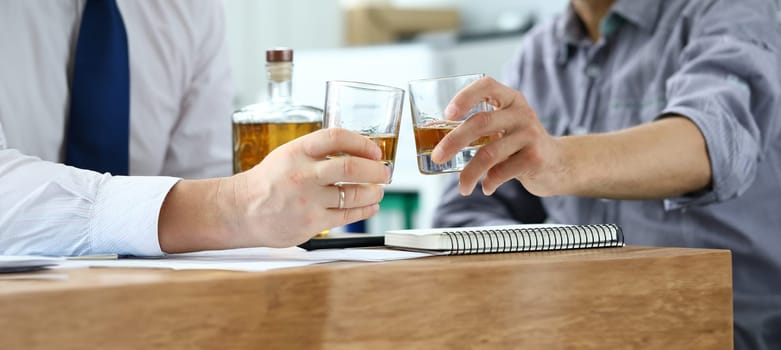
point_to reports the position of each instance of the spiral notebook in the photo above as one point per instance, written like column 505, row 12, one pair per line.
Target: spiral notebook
column 511, row 238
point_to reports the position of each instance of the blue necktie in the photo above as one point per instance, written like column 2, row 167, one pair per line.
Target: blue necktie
column 97, row 137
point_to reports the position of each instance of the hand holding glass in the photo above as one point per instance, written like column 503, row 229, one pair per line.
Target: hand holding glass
column 428, row 100
column 368, row 109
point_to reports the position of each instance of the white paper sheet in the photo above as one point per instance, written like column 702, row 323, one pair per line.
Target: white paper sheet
column 20, row 263
column 295, row 253
column 250, row 259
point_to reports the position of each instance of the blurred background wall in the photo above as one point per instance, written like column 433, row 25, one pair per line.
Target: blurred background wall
column 254, row 25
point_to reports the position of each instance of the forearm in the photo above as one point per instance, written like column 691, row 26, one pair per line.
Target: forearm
column 665, row 158
column 195, row 216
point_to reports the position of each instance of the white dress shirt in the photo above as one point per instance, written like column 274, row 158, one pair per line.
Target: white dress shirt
column 180, row 106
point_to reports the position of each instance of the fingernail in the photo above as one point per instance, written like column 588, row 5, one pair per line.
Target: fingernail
column 377, row 153
column 388, row 172
column 450, row 111
column 463, row 190
column 436, row 155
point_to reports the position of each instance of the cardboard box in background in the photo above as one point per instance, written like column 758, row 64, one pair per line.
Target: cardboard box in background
column 380, row 24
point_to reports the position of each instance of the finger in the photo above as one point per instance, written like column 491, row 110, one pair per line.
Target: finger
column 483, row 90
column 330, row 141
column 339, row 217
column 489, row 156
column 480, row 124
column 501, row 173
column 355, row 196
column 483, row 124
column 351, row 169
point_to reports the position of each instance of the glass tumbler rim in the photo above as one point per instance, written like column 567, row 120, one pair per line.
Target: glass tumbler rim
column 435, row 79
column 364, row 86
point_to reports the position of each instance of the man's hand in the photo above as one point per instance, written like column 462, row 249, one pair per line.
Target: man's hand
column 664, row 158
column 283, row 201
column 521, row 147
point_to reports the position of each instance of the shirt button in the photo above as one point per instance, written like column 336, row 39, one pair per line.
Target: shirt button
column 593, row 71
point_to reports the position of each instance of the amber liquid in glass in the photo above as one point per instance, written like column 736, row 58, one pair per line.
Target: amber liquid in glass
column 428, row 136
column 254, row 141
column 387, row 144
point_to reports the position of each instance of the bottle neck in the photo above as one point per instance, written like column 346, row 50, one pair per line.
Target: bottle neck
column 280, row 84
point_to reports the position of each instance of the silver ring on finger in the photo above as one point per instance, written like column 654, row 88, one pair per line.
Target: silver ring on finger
column 341, row 196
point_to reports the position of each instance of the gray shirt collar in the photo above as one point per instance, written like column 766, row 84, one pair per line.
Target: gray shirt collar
column 569, row 28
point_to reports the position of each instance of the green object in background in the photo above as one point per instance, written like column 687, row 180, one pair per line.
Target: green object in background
column 397, row 212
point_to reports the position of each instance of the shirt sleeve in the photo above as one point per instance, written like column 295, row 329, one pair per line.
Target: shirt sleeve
column 52, row 209
column 727, row 84
column 200, row 144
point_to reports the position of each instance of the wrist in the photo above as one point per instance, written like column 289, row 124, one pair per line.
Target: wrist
column 570, row 175
column 229, row 199
column 189, row 218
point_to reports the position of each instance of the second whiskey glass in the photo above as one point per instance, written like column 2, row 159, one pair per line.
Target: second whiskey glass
column 371, row 110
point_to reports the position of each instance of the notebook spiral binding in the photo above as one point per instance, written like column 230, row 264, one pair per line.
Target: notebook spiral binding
column 535, row 239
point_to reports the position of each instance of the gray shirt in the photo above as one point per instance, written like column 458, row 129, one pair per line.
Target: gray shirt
column 715, row 62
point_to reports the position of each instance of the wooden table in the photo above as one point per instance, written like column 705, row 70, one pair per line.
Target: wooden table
column 628, row 298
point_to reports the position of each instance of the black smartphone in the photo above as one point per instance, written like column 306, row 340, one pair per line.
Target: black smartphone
column 338, row 240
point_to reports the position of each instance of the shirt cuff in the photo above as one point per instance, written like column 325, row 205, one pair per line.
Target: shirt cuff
column 724, row 156
column 690, row 200
column 126, row 213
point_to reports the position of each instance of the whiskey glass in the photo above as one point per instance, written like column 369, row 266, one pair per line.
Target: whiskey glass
column 428, row 100
column 371, row 110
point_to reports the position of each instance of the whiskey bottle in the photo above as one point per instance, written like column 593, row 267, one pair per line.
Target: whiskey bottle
column 260, row 128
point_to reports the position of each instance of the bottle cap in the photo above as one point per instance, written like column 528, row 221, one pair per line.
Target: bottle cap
column 279, row 54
